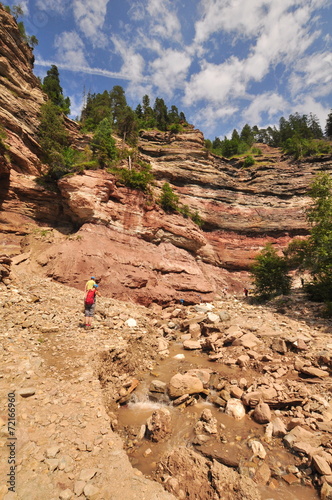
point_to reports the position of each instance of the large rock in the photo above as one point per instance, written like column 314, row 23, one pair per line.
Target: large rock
column 262, row 413
column 184, row 384
column 235, row 409
column 189, row 475
column 159, row 425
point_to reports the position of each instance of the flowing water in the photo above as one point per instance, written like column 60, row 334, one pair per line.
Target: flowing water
column 233, row 434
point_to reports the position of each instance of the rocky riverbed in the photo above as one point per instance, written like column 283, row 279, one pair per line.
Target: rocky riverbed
column 267, row 365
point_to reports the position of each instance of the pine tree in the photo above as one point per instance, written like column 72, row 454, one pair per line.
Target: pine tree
column 118, row 102
column 52, row 87
column 328, row 127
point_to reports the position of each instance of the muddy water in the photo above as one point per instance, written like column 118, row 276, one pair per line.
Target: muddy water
column 233, row 435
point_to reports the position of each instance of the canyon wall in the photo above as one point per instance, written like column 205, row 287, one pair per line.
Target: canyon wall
column 92, row 225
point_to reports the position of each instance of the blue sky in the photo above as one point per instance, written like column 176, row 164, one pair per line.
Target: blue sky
column 223, row 63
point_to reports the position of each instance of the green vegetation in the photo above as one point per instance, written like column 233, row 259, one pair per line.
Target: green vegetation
column 3, row 137
column 51, row 86
column 103, row 144
column 328, row 127
column 237, row 145
column 138, row 177
column 169, row 201
column 270, row 274
column 300, row 136
column 17, row 11
column 318, row 255
column 248, row 161
column 125, row 121
column 53, row 139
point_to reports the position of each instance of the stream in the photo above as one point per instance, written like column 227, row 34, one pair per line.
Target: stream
column 233, row 435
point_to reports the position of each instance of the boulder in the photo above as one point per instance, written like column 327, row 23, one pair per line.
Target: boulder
column 262, row 413
column 235, row 409
column 191, row 345
column 204, row 374
column 159, row 425
column 279, row 428
column 321, row 465
column 184, row 384
column 248, row 340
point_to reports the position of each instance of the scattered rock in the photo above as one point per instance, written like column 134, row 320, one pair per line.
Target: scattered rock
column 262, row 413
column 235, row 409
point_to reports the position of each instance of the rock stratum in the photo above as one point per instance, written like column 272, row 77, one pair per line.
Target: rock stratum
column 92, row 225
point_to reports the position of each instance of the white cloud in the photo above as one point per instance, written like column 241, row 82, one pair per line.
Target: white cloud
column 59, row 6
column 161, row 17
column 169, row 71
column 216, row 83
column 90, row 17
column 269, row 102
column 70, row 49
column 244, row 18
column 313, row 73
column 277, row 32
column 208, row 117
column 133, row 63
column 248, row 19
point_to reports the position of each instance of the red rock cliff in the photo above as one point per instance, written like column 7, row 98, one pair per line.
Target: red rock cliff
column 94, row 226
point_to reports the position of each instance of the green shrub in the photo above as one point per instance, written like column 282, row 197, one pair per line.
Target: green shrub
column 270, row 274
column 248, row 161
column 103, row 144
column 185, row 211
column 300, row 147
column 195, row 217
column 139, row 177
column 3, row 137
column 175, row 128
column 169, row 201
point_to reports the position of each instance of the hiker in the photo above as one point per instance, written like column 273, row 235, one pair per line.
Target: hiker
column 89, row 284
column 246, row 291
column 90, row 305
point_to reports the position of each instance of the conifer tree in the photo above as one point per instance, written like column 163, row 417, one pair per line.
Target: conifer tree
column 52, row 87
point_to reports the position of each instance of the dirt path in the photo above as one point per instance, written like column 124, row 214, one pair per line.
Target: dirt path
column 60, row 429
column 62, row 440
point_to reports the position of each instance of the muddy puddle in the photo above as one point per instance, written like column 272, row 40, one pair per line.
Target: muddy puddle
column 233, row 438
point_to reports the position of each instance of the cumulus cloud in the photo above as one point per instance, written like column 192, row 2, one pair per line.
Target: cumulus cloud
column 275, row 33
column 216, row 83
column 169, row 71
column 59, row 6
column 208, row 117
column 312, row 73
column 90, row 17
column 269, row 103
column 161, row 17
column 133, row 63
column 70, row 49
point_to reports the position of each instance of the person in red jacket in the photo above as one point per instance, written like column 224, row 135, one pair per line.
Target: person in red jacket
column 90, row 305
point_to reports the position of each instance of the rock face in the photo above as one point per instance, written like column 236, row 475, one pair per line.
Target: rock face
column 20, row 97
column 92, row 225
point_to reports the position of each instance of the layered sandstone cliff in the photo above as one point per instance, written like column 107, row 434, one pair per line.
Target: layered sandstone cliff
column 90, row 224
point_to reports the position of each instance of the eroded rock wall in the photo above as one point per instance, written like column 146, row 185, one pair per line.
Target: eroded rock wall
column 139, row 251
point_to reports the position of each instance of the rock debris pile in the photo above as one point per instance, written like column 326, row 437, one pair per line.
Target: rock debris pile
column 271, row 368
